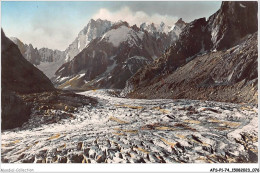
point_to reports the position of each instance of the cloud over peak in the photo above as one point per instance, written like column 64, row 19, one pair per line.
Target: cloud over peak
column 138, row 17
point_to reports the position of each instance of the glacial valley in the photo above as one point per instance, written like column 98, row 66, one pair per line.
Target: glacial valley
column 121, row 130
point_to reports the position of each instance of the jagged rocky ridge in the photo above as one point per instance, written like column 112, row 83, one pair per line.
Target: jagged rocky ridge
column 157, row 31
column 213, row 60
column 30, row 53
column 45, row 59
column 112, row 58
column 94, row 29
column 49, row 61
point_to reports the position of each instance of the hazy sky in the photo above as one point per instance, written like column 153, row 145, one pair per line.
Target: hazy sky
column 56, row 24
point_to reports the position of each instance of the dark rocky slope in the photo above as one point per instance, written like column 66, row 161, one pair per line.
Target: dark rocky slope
column 26, row 91
column 232, row 22
column 14, row 110
column 199, row 66
column 229, row 76
column 18, row 76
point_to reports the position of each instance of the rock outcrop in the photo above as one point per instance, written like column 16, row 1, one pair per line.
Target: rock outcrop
column 232, row 22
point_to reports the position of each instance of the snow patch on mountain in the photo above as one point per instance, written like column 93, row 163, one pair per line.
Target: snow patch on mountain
column 132, row 47
column 122, row 34
column 241, row 5
column 94, row 29
column 138, row 58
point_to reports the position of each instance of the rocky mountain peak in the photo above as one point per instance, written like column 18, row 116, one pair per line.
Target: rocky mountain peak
column 233, row 21
column 95, row 24
column 152, row 27
column 30, row 46
column 180, row 22
column 108, row 61
column 94, row 29
column 119, row 24
column 45, row 59
column 135, row 28
column 143, row 25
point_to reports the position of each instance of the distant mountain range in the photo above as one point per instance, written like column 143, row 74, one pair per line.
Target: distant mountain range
column 47, row 60
column 147, row 58
column 115, row 53
column 139, row 46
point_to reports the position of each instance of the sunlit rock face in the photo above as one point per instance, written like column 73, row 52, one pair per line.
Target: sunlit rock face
column 94, row 29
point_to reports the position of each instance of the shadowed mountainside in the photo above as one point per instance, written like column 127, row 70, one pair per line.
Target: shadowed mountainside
column 18, row 76
column 212, row 60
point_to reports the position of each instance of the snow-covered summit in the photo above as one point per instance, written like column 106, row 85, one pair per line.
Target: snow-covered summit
column 122, row 34
column 93, row 30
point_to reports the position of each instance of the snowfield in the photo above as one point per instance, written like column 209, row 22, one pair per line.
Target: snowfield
column 120, row 130
column 122, row 34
